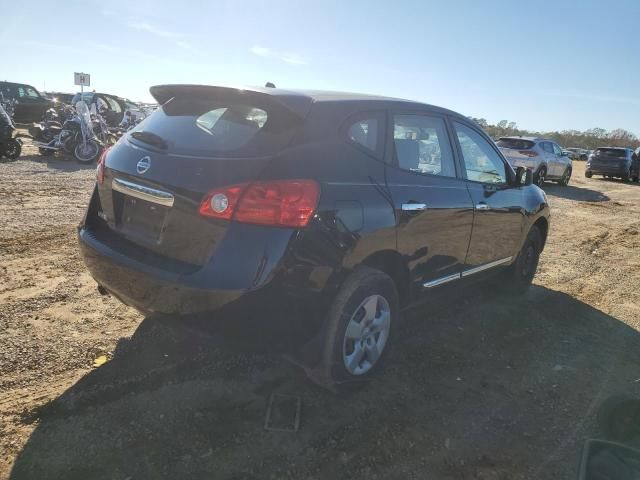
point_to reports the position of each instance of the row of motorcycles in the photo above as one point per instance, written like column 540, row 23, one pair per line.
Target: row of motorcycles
column 79, row 131
column 10, row 144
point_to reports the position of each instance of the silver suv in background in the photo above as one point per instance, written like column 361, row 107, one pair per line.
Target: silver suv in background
column 540, row 155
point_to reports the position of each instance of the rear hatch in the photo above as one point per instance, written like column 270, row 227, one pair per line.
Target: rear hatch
column 608, row 159
column 516, row 149
column 200, row 139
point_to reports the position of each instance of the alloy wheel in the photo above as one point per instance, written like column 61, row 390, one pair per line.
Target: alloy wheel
column 366, row 335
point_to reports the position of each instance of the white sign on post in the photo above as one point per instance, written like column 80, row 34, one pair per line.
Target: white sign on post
column 82, row 79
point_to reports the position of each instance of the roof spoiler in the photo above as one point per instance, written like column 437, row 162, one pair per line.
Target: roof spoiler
column 295, row 103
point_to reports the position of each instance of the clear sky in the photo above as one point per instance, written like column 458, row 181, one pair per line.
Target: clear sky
column 545, row 64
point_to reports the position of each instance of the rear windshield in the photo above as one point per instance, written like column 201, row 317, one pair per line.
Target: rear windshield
column 611, row 152
column 516, row 143
column 199, row 126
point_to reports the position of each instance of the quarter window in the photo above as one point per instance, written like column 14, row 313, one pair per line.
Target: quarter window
column 422, row 145
column 365, row 132
column 481, row 161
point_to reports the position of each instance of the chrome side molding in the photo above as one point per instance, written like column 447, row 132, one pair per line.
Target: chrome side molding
column 441, row 280
column 486, row 266
column 142, row 192
column 466, row 273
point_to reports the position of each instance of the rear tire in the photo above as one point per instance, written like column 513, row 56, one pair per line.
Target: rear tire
column 519, row 275
column 12, row 150
column 588, row 174
column 540, row 177
column 358, row 328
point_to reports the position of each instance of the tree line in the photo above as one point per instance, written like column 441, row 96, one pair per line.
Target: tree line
column 588, row 139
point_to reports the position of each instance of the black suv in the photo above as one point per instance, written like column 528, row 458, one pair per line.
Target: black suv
column 330, row 210
column 31, row 105
column 617, row 162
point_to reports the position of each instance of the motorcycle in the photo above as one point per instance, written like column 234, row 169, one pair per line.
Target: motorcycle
column 76, row 137
column 10, row 146
column 51, row 124
column 107, row 135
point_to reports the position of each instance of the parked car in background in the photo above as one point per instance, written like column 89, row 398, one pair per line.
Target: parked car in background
column 578, row 153
column 111, row 106
column 315, row 213
column 30, row 106
column 614, row 162
column 59, row 97
column 540, row 155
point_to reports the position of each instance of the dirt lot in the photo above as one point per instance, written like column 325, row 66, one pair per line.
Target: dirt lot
column 492, row 387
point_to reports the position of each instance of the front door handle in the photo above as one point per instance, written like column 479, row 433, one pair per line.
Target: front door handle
column 482, row 206
column 413, row 207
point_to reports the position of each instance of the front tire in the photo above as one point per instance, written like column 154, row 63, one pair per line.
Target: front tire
column 359, row 325
column 87, row 152
column 566, row 176
column 588, row 174
column 541, row 176
column 520, row 274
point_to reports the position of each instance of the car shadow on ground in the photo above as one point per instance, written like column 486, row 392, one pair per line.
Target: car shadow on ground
column 487, row 385
column 617, row 180
column 580, row 194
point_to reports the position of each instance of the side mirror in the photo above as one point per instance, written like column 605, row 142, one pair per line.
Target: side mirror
column 524, row 176
column 565, row 154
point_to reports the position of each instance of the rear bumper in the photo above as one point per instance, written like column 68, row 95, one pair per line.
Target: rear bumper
column 146, row 288
column 614, row 170
column 287, row 296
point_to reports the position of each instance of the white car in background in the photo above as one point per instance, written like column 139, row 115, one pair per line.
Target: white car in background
column 542, row 156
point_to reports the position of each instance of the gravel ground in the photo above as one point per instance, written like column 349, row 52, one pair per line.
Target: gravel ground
column 485, row 387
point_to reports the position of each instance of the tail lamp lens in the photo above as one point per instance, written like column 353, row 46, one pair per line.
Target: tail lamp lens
column 286, row 203
column 100, row 167
column 221, row 203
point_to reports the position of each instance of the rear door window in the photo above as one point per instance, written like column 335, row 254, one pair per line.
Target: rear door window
column 422, row 145
column 26, row 92
column 556, row 149
column 546, row 146
column 193, row 126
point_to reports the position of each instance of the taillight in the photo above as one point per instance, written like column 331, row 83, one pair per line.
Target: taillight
column 100, row 167
column 220, row 203
column 529, row 153
column 286, row 203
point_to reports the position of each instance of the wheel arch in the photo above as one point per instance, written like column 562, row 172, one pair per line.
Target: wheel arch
column 543, row 225
column 394, row 265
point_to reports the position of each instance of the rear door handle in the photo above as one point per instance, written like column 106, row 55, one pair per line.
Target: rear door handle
column 413, row 207
column 482, row 206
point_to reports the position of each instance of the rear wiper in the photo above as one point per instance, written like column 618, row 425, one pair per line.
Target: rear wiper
column 151, row 139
